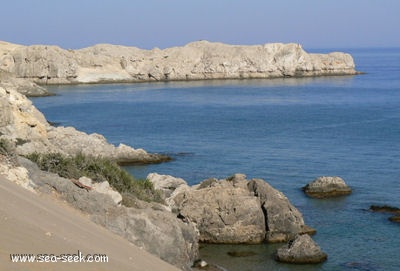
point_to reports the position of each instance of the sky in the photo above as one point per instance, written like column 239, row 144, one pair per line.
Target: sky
column 73, row 24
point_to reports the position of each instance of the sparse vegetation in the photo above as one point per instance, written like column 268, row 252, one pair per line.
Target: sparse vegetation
column 7, row 150
column 99, row 170
column 6, row 147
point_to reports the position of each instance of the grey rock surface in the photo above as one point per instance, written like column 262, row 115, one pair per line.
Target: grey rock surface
column 158, row 232
column 283, row 220
column 224, row 213
column 235, row 210
column 301, row 250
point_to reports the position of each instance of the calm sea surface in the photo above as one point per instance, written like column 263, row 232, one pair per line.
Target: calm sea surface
column 286, row 131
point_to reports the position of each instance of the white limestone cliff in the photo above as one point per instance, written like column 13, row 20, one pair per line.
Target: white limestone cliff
column 106, row 63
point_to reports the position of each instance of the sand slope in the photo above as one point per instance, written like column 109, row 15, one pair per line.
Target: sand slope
column 39, row 224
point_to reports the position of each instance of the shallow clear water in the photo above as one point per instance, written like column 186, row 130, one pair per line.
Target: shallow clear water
column 286, row 131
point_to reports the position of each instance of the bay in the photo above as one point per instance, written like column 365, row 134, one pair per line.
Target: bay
column 286, row 131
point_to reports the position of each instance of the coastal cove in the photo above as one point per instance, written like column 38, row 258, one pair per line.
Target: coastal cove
column 286, row 131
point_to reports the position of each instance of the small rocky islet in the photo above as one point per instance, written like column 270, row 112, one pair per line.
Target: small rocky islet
column 231, row 210
column 327, row 187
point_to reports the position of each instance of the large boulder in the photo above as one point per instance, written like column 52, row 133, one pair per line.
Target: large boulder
column 235, row 210
column 301, row 250
column 225, row 212
column 283, row 220
column 326, row 187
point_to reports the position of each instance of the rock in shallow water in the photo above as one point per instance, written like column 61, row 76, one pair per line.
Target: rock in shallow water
column 301, row 250
column 326, row 187
column 236, row 210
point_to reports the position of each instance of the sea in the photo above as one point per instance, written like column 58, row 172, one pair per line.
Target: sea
column 286, row 131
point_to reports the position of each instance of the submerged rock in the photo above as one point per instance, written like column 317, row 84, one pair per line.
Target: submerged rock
column 326, row 187
column 241, row 253
column 387, row 209
column 301, row 250
column 395, row 218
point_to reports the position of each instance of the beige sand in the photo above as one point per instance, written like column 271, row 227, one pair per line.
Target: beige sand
column 42, row 224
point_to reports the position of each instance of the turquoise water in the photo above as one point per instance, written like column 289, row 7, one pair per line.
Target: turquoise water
column 286, row 131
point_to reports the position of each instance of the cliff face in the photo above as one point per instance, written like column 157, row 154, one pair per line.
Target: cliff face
column 195, row 61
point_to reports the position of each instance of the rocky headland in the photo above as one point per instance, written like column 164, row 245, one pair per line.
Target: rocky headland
column 105, row 63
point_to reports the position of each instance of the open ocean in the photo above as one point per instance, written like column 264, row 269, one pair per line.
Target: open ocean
column 285, row 131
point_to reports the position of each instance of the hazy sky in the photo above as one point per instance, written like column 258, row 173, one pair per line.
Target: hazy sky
column 164, row 23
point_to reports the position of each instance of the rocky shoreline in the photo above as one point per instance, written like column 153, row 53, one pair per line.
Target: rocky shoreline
column 26, row 126
column 231, row 210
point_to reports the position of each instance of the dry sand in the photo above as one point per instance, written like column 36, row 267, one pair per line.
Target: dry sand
column 42, row 224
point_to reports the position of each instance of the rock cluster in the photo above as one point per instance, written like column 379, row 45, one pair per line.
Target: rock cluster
column 301, row 250
column 235, row 210
column 198, row 60
column 325, row 187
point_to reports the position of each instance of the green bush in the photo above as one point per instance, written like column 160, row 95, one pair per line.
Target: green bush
column 99, row 170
